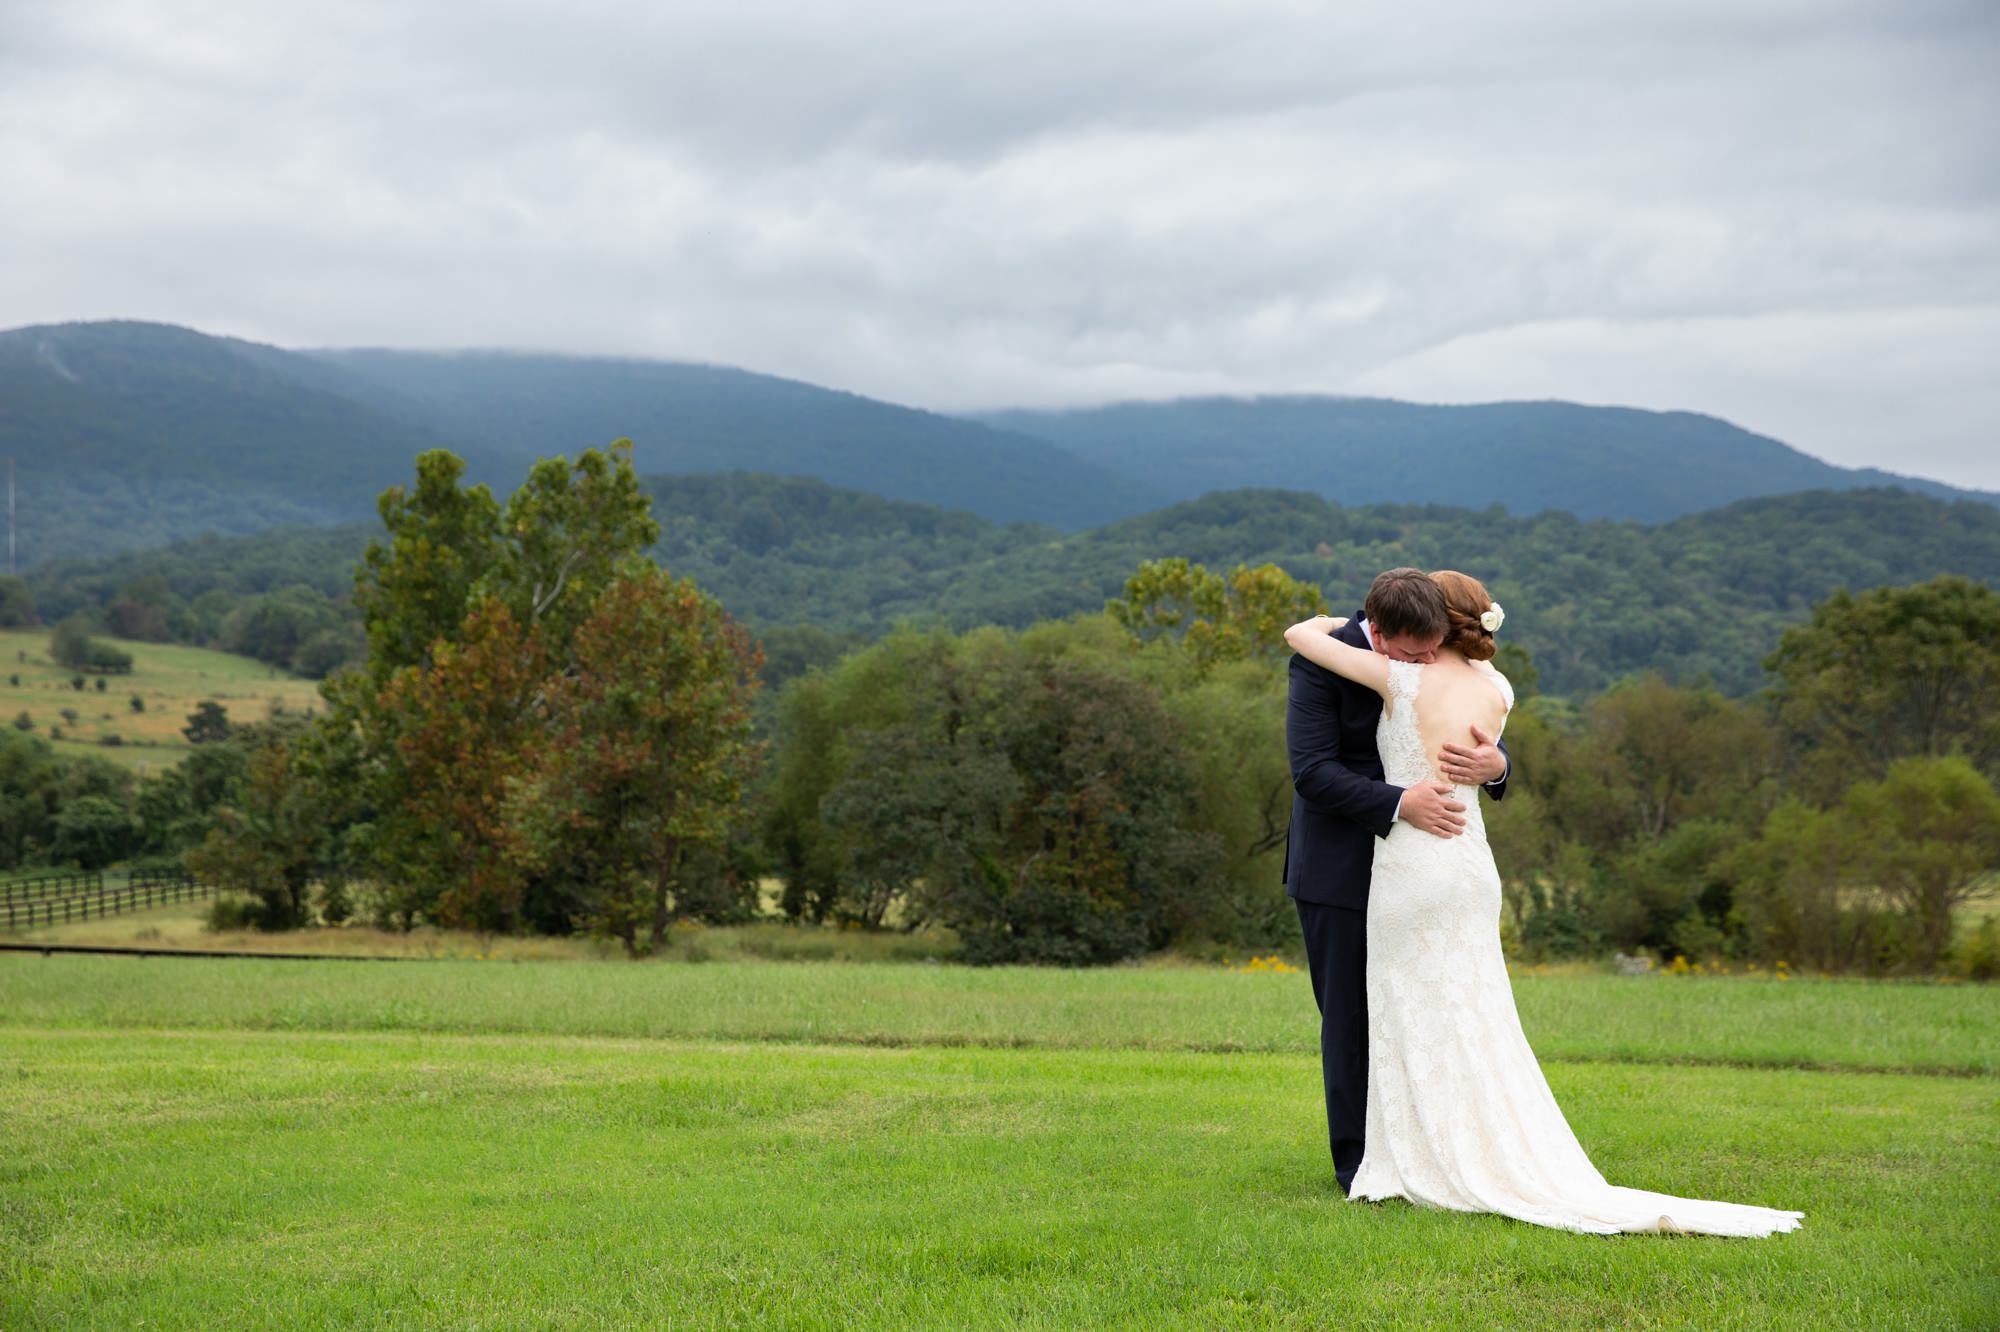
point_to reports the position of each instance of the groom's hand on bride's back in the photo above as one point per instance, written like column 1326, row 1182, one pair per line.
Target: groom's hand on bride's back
column 1431, row 806
column 1478, row 764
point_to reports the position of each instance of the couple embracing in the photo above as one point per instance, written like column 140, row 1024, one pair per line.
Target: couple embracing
column 1393, row 726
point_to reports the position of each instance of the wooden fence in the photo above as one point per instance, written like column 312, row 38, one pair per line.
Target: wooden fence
column 63, row 884
column 92, row 896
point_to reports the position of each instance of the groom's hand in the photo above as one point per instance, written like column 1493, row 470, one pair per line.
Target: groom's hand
column 1432, row 808
column 1475, row 764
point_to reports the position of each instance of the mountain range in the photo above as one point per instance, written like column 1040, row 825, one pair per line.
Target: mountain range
column 128, row 434
column 1594, row 462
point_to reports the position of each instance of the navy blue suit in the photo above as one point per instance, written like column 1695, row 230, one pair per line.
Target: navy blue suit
column 1340, row 805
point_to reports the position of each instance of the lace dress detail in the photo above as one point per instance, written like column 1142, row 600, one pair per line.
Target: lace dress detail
column 1459, row 1115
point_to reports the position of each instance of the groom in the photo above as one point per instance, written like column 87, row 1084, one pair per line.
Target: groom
column 1340, row 806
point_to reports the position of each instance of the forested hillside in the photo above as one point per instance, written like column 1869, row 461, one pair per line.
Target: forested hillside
column 1706, row 595
column 1596, row 462
column 129, row 435
column 704, row 418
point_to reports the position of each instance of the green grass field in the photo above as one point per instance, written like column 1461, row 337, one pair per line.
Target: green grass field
column 170, row 679
column 529, row 1144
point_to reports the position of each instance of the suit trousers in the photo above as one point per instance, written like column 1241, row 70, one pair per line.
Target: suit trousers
column 1337, row 957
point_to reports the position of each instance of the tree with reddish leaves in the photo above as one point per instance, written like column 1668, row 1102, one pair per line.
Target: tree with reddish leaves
column 462, row 730
column 646, row 753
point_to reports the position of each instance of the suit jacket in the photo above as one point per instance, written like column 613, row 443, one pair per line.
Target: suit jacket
column 1340, row 804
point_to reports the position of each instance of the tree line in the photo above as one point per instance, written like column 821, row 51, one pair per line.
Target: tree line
column 548, row 732
column 817, row 571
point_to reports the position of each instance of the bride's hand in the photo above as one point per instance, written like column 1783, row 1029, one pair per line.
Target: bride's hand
column 1330, row 622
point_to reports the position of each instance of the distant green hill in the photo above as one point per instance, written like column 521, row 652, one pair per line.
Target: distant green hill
column 127, row 435
column 1595, row 462
column 700, row 418
column 1704, row 595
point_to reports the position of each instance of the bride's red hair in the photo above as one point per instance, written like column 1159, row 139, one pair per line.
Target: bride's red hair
column 1465, row 600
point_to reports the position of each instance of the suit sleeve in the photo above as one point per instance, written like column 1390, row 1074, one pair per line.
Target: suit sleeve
column 1312, row 741
column 1498, row 789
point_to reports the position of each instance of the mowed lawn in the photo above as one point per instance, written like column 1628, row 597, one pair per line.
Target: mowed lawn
column 461, row 1144
column 169, row 679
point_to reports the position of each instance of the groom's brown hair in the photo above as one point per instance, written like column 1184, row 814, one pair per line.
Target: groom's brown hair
column 1406, row 601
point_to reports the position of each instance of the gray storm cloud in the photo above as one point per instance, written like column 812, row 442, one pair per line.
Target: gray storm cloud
column 1781, row 213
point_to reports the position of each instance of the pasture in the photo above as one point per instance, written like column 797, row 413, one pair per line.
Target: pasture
column 170, row 680
column 502, row 1144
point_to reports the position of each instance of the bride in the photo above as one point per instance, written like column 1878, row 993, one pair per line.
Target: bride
column 1458, row 1113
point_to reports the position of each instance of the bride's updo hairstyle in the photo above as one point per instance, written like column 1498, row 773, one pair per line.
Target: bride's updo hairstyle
column 1465, row 600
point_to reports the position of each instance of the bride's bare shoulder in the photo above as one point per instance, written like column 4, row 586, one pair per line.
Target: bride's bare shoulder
column 1472, row 688
column 1499, row 681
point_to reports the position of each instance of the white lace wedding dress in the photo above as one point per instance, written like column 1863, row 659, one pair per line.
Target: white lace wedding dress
column 1459, row 1115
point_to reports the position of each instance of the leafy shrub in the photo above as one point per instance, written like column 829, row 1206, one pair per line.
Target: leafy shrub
column 1978, row 957
column 336, row 903
column 234, row 913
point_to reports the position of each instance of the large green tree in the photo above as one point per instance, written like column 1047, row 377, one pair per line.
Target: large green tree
column 1892, row 673
column 1031, row 791
column 1215, row 617
column 1926, row 837
column 469, row 612
column 414, row 587
column 271, row 837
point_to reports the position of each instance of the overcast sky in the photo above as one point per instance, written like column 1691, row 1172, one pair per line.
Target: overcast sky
column 1782, row 212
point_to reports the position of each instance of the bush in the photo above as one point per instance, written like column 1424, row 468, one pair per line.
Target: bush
column 233, row 913
column 112, row 739
column 336, row 904
column 1978, row 957
column 71, row 645
column 69, row 642
column 138, row 704
column 100, row 684
column 207, row 724
column 24, row 722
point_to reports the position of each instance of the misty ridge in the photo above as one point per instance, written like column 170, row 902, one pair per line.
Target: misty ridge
column 130, row 434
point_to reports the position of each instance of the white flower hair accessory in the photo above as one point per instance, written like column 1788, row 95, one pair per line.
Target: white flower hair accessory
column 1492, row 618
